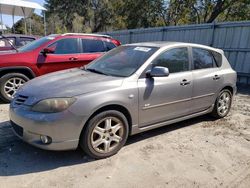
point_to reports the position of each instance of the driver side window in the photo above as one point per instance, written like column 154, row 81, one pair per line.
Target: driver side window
column 176, row 60
column 65, row 46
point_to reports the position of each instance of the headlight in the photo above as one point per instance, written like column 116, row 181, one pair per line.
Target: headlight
column 53, row 105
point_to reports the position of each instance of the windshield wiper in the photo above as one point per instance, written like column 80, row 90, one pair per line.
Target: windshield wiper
column 95, row 71
column 8, row 40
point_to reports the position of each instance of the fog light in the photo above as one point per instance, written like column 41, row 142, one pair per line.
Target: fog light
column 45, row 139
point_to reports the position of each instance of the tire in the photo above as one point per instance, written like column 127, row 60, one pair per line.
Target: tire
column 99, row 139
column 8, row 80
column 222, row 104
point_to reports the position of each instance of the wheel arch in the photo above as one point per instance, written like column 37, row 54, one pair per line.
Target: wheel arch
column 116, row 107
column 23, row 70
column 230, row 88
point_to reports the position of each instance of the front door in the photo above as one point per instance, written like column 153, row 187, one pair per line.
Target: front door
column 166, row 98
column 65, row 56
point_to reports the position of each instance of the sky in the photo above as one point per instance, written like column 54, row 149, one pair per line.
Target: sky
column 7, row 19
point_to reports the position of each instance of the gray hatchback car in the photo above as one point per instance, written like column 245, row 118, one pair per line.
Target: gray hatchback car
column 131, row 89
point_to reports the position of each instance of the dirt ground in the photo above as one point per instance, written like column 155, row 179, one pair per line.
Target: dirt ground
column 201, row 152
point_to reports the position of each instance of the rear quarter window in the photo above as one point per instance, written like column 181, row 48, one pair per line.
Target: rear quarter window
column 109, row 45
column 217, row 58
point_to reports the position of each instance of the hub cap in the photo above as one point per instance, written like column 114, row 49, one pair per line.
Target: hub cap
column 224, row 103
column 107, row 134
column 12, row 85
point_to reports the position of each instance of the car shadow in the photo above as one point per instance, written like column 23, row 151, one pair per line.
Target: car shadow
column 168, row 128
column 2, row 102
column 19, row 158
column 243, row 89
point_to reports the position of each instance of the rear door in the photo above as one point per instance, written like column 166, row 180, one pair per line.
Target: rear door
column 91, row 49
column 207, row 79
column 65, row 56
column 165, row 98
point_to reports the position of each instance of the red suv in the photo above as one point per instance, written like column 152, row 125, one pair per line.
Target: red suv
column 49, row 54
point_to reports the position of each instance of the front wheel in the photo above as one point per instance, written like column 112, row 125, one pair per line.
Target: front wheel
column 10, row 83
column 105, row 134
column 222, row 104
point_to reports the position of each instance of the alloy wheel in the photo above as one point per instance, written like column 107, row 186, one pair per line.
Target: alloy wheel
column 107, row 134
column 224, row 103
column 12, row 85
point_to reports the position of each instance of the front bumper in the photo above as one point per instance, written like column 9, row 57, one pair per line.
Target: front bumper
column 64, row 128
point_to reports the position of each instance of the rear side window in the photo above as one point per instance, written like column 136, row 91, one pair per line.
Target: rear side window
column 24, row 40
column 66, row 46
column 176, row 60
column 202, row 58
column 92, row 46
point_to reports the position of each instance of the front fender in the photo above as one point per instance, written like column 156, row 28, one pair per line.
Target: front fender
column 87, row 104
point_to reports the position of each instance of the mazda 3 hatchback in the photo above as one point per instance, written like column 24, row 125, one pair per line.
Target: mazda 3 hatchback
column 130, row 89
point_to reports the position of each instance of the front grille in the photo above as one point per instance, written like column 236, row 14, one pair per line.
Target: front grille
column 17, row 129
column 20, row 99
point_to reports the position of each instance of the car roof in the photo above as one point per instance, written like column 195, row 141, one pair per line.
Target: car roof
column 82, row 34
column 161, row 44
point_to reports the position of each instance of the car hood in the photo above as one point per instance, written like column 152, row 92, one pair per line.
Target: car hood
column 68, row 83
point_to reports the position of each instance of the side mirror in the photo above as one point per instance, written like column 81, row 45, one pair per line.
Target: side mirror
column 48, row 50
column 158, row 71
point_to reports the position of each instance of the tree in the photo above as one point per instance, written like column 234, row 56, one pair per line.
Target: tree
column 66, row 10
column 210, row 10
column 35, row 22
column 141, row 13
column 104, row 15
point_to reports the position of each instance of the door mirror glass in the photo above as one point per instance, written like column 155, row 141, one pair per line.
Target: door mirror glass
column 158, row 71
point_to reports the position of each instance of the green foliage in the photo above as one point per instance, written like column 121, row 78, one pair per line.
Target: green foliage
column 35, row 22
column 105, row 15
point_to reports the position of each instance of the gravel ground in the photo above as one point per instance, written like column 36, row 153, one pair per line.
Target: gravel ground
column 201, row 152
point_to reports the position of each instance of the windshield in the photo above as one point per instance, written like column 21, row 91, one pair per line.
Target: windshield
column 35, row 44
column 123, row 61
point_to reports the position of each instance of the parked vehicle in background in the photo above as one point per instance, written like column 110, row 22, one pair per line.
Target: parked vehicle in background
column 131, row 89
column 49, row 54
column 16, row 40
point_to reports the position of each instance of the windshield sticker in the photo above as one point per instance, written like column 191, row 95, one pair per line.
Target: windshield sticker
column 142, row 49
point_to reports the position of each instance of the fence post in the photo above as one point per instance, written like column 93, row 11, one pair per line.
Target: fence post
column 213, row 31
column 163, row 33
column 130, row 36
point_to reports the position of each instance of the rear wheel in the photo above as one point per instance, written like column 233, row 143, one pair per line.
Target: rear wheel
column 105, row 134
column 9, row 84
column 223, row 104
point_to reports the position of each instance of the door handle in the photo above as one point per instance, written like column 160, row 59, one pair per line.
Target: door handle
column 73, row 58
column 184, row 82
column 216, row 77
